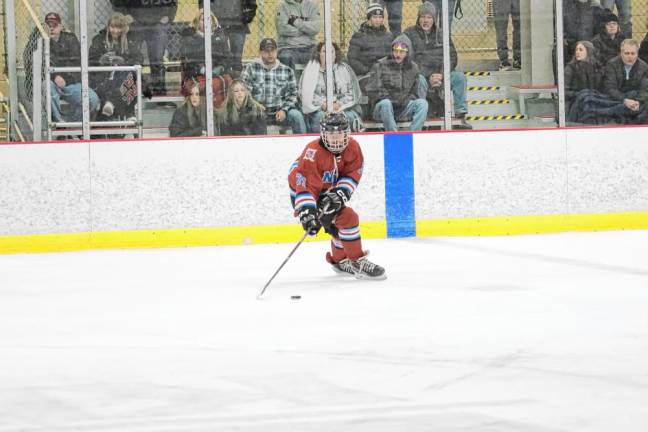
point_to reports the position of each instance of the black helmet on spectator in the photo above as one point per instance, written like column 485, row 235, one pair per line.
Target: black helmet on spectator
column 331, row 126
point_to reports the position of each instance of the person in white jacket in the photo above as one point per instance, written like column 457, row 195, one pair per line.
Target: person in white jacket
column 346, row 90
column 297, row 23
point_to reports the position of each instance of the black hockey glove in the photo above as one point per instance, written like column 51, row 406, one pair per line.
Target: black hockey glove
column 309, row 221
column 333, row 200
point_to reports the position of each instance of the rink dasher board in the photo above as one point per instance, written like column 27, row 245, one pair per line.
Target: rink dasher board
column 219, row 191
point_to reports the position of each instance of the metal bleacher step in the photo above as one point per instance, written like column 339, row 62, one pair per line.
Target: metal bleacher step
column 493, row 78
column 486, row 92
column 485, row 107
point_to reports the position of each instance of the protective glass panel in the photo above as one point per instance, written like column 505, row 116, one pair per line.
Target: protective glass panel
column 604, row 67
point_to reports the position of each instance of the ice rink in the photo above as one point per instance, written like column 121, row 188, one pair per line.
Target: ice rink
column 516, row 334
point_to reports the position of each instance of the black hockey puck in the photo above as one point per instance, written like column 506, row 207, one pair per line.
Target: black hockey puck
column 295, row 297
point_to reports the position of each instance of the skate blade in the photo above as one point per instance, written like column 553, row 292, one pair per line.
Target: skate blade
column 370, row 278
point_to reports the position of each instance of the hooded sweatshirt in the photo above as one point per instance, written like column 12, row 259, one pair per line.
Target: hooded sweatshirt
column 398, row 82
column 302, row 32
column 428, row 46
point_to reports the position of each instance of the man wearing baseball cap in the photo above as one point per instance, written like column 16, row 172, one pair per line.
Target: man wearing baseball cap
column 65, row 51
column 273, row 85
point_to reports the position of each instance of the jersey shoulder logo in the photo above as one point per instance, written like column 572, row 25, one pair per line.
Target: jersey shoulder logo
column 310, row 155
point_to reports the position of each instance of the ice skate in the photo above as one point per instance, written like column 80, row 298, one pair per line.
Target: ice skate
column 365, row 269
column 342, row 267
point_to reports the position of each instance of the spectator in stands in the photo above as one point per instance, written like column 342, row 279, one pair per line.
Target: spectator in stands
column 65, row 51
column 608, row 42
column 346, row 90
column 439, row 8
column 427, row 52
column 370, row 43
column 396, row 88
column 297, row 22
column 192, row 58
column 152, row 21
column 578, row 22
column 189, row 119
column 273, row 85
column 112, row 46
column 624, row 10
column 643, row 49
column 241, row 114
column 394, row 13
column 581, row 73
column 625, row 79
column 234, row 17
column 504, row 9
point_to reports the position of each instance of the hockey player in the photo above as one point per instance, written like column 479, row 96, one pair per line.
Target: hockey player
column 322, row 181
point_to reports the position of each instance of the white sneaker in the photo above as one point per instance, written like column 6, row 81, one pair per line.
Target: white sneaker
column 108, row 109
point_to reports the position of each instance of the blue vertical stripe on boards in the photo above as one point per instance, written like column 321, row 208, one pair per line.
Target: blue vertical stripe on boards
column 399, row 185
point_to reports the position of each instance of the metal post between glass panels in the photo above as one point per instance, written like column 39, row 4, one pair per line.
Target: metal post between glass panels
column 560, row 62
column 209, row 89
column 37, row 90
column 328, row 41
column 11, row 64
column 447, row 96
column 85, row 100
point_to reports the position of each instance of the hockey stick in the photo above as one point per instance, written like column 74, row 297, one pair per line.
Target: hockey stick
column 283, row 264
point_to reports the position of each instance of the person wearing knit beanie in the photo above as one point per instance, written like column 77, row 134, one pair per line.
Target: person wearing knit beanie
column 427, row 8
column 375, row 9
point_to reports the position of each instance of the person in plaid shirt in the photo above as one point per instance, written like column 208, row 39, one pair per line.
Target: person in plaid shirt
column 273, row 85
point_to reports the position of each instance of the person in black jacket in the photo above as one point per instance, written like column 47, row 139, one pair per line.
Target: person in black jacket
column 608, row 42
column 113, row 46
column 370, row 43
column 234, row 17
column 192, row 58
column 189, row 119
column 65, row 50
column 625, row 79
column 152, row 21
column 241, row 114
column 582, row 72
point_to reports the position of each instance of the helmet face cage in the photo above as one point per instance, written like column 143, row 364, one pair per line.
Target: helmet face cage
column 335, row 123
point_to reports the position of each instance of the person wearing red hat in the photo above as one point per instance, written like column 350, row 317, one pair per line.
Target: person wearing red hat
column 65, row 51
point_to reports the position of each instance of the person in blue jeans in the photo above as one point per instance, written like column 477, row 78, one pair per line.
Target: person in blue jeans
column 65, row 50
column 427, row 52
column 397, row 89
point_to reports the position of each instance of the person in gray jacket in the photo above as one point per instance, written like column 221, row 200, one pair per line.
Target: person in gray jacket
column 297, row 22
column 398, row 89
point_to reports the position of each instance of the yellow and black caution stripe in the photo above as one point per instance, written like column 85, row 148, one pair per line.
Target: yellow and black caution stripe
column 495, row 117
column 489, row 102
column 477, row 73
column 483, row 88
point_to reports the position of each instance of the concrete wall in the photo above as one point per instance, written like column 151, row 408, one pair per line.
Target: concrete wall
column 156, row 184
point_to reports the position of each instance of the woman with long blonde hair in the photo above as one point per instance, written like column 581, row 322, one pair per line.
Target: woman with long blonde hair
column 241, row 114
column 112, row 46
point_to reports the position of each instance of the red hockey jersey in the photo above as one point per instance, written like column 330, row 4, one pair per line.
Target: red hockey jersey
column 317, row 170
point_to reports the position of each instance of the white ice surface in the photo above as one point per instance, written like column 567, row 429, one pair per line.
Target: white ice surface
column 519, row 334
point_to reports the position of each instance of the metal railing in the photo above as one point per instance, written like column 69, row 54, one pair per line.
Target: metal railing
column 110, row 127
